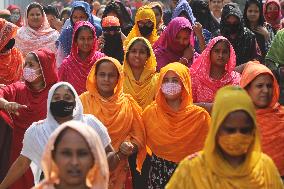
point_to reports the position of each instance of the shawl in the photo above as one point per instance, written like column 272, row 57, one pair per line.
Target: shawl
column 173, row 135
column 143, row 90
column 120, row 114
column 28, row 39
column 13, row 7
column 209, row 170
column 73, row 69
column 65, row 38
column 98, row 175
column 143, row 13
column 270, row 119
column 160, row 26
column 204, row 87
column 183, row 6
column 11, row 62
column 162, row 48
column 276, row 24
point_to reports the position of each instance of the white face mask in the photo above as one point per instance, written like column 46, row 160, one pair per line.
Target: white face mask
column 30, row 74
column 170, row 88
column 15, row 17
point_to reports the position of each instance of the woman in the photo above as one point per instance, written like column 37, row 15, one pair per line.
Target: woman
column 158, row 10
column 272, row 14
column 63, row 104
column 11, row 59
column 118, row 112
column 175, row 44
column 263, row 88
column 65, row 14
column 139, row 69
column 145, row 26
column 91, row 162
column 117, row 9
column 16, row 17
column 25, row 102
column 36, row 32
column 254, row 20
column 232, row 156
column 213, row 69
column 76, row 67
column 80, row 12
column 174, row 126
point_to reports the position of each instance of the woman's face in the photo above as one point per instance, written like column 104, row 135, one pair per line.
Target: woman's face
column 172, row 77
column 112, row 13
column 35, row 18
column 137, row 55
column 106, row 78
column 32, row 63
column 63, row 93
column 85, row 41
column 272, row 7
column 182, row 37
column 261, row 90
column 73, row 159
column 158, row 15
column 216, row 5
column 79, row 15
column 253, row 13
column 220, row 54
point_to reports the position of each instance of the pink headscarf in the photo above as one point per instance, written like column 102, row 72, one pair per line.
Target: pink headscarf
column 73, row 69
column 164, row 48
column 28, row 39
column 204, row 88
column 98, row 175
column 275, row 23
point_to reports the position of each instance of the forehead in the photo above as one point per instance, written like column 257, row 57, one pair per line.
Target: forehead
column 171, row 74
column 232, row 19
column 68, row 138
column 237, row 119
column 221, row 44
column 265, row 77
column 138, row 45
column 62, row 90
column 79, row 12
column 107, row 66
column 144, row 21
column 35, row 10
column 85, row 32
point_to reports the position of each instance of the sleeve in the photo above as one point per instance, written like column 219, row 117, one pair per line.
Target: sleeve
column 60, row 56
column 181, row 177
column 62, row 71
column 100, row 129
column 9, row 92
column 275, row 53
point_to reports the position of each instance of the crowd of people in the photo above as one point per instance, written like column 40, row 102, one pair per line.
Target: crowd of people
column 142, row 95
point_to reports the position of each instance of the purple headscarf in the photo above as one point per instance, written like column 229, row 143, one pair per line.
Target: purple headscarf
column 164, row 48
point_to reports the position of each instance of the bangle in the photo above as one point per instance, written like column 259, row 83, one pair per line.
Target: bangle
column 117, row 156
column 183, row 58
column 4, row 107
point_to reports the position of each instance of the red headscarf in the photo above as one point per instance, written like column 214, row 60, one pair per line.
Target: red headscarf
column 275, row 23
column 13, row 7
column 73, row 69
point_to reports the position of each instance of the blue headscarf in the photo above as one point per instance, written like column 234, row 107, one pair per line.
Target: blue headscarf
column 65, row 38
column 183, row 5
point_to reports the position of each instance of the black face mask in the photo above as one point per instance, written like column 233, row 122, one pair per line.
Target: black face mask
column 146, row 31
column 232, row 28
column 9, row 45
column 62, row 108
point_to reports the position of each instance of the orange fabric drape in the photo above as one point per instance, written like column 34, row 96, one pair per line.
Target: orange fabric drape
column 120, row 114
column 270, row 119
column 173, row 135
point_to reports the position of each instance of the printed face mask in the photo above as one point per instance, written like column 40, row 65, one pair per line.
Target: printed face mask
column 62, row 108
column 30, row 74
column 170, row 88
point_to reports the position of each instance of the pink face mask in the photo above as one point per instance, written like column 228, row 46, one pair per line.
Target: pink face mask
column 170, row 88
column 30, row 74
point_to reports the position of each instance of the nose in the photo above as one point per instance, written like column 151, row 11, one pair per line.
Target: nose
column 265, row 89
column 74, row 160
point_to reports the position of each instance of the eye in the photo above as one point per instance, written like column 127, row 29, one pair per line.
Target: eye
column 247, row 130
column 66, row 153
column 229, row 130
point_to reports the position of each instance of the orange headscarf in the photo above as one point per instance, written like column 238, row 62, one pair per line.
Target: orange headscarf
column 120, row 114
column 174, row 135
column 97, row 176
column 11, row 62
column 270, row 119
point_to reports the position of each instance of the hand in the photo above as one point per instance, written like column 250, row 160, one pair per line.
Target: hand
column 188, row 53
column 13, row 107
column 2, row 85
column 126, row 148
column 262, row 30
column 101, row 42
column 197, row 28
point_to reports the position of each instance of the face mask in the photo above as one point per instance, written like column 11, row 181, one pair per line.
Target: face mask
column 145, row 31
column 62, row 108
column 235, row 144
column 273, row 15
column 170, row 88
column 232, row 28
column 30, row 74
column 10, row 44
column 15, row 17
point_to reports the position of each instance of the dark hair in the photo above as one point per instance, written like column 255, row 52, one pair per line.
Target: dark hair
column 144, row 44
column 77, row 8
column 51, row 10
column 222, row 40
column 34, row 5
column 68, row 88
column 258, row 3
column 84, row 27
column 58, row 140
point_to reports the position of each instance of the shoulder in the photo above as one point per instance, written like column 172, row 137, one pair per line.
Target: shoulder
column 32, row 130
column 248, row 32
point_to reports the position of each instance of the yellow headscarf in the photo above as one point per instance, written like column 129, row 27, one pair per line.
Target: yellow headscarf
column 209, row 170
column 143, row 13
column 173, row 135
column 143, row 90
column 120, row 114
